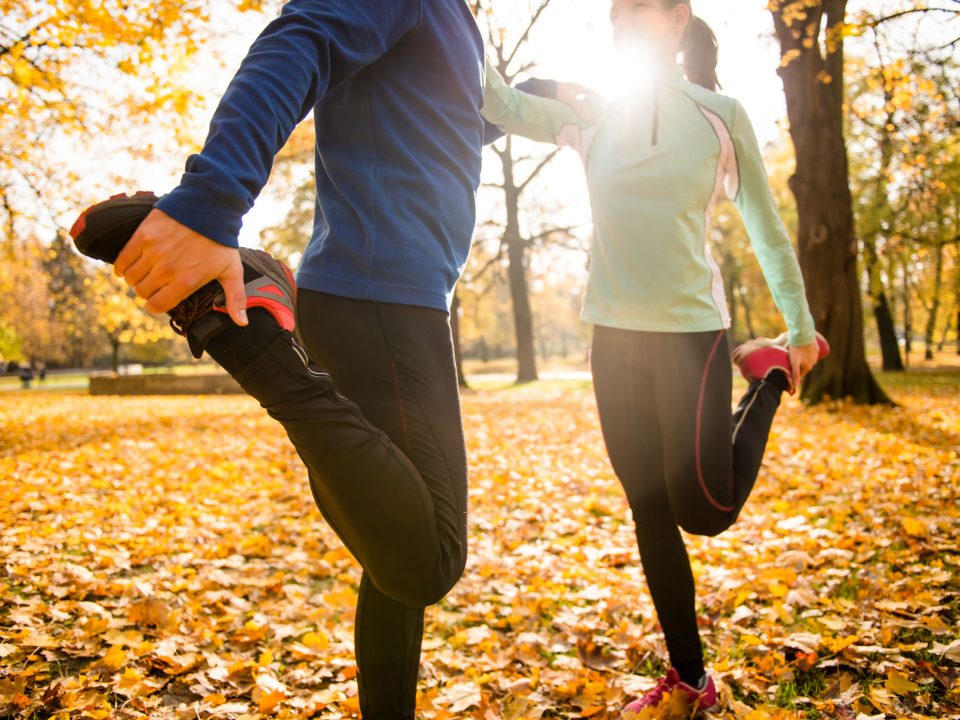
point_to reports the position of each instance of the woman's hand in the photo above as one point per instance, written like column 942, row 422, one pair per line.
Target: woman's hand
column 578, row 97
column 802, row 360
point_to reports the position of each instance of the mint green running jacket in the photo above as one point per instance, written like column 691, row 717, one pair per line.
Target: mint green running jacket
column 656, row 165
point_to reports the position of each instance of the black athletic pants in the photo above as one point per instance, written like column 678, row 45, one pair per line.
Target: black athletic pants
column 684, row 460
column 387, row 466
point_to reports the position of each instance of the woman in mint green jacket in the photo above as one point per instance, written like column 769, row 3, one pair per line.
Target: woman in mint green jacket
column 656, row 164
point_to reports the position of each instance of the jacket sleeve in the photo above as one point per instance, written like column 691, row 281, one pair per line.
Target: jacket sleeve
column 518, row 113
column 533, row 86
column 774, row 250
column 311, row 48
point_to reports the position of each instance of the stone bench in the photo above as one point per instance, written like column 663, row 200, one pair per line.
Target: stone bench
column 167, row 384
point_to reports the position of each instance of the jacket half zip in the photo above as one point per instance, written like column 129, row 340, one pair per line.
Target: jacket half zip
column 655, row 129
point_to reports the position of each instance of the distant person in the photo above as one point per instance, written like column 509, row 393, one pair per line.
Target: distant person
column 656, row 163
column 26, row 376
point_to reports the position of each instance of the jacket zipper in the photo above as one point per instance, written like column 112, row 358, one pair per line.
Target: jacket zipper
column 655, row 131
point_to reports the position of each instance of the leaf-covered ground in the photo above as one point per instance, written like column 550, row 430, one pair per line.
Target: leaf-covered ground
column 162, row 557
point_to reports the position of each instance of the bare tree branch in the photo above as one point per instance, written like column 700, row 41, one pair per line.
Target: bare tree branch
column 526, row 33
column 536, row 171
column 912, row 11
column 495, row 260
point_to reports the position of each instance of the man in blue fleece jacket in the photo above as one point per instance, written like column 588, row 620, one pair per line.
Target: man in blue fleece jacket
column 396, row 88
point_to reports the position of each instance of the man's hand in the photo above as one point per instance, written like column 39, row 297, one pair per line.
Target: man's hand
column 166, row 261
column 578, row 97
column 802, row 360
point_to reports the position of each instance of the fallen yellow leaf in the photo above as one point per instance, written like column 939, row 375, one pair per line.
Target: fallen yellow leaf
column 115, row 658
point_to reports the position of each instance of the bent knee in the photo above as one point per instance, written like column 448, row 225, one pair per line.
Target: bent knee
column 426, row 593
column 707, row 526
column 422, row 589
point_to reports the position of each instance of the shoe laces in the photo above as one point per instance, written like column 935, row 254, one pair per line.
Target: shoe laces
column 194, row 307
column 655, row 696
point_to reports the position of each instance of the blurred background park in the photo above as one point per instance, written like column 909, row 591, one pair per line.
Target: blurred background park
column 108, row 97
column 162, row 557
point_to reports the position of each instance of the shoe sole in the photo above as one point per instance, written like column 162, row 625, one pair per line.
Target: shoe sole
column 102, row 230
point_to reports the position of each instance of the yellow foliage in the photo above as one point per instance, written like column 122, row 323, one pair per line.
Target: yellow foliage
column 129, row 525
column 115, row 658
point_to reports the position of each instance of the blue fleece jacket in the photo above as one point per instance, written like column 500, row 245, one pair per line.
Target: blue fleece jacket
column 396, row 88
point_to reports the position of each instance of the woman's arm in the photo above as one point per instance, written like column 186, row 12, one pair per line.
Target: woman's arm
column 537, row 118
column 771, row 242
column 533, row 86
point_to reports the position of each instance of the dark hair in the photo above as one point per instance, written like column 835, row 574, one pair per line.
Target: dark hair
column 700, row 50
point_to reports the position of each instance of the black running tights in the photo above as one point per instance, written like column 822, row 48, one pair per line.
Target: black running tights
column 684, row 460
column 387, row 466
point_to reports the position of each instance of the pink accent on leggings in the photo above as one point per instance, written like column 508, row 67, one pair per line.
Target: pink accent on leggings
column 703, row 387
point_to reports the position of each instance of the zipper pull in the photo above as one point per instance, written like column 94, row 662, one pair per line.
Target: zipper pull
column 655, row 131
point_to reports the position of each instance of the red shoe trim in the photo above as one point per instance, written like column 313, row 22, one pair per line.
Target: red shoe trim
column 79, row 226
column 703, row 388
column 292, row 280
column 281, row 312
column 272, row 289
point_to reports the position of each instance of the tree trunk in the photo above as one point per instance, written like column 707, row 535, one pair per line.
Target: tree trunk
column 747, row 317
column 522, row 314
column 907, row 315
column 115, row 355
column 517, row 274
column 889, row 347
column 892, row 300
column 935, row 306
column 956, row 292
column 881, row 309
column 882, row 314
column 455, row 333
column 948, row 326
column 813, row 85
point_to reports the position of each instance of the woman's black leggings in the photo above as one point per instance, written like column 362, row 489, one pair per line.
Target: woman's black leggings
column 387, row 466
column 685, row 461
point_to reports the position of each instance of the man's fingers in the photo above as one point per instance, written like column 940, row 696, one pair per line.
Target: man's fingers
column 129, row 255
column 167, row 297
column 151, row 285
column 231, row 280
column 136, row 272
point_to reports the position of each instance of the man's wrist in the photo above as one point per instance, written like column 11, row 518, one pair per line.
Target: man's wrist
column 205, row 212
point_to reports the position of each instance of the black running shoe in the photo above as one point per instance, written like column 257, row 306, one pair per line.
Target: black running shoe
column 102, row 231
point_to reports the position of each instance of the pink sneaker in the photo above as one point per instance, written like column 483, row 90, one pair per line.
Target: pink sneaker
column 757, row 358
column 697, row 700
column 822, row 345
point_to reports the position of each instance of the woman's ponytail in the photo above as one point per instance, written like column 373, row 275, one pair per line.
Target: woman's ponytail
column 700, row 50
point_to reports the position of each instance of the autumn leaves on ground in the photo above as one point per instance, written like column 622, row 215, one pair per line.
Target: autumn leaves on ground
column 163, row 558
